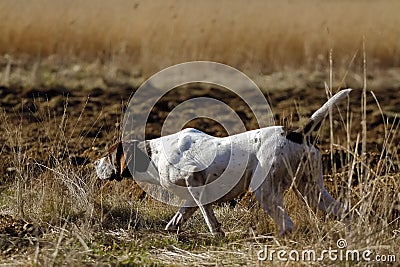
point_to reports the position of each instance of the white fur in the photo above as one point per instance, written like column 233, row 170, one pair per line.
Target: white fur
column 265, row 160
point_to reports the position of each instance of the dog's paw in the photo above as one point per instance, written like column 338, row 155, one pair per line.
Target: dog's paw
column 286, row 232
column 286, row 229
column 218, row 234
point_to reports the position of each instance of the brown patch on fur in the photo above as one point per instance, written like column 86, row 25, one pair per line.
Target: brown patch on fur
column 124, row 170
column 116, row 153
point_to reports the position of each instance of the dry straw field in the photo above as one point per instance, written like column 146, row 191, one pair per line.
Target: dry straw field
column 68, row 68
column 261, row 35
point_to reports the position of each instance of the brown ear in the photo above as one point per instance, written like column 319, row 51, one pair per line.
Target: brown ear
column 122, row 165
column 136, row 159
column 114, row 148
column 121, row 162
column 124, row 170
column 116, row 154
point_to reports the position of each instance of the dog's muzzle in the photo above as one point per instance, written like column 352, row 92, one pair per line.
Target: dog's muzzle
column 105, row 170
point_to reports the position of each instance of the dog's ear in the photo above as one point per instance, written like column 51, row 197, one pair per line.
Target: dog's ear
column 136, row 158
column 117, row 157
column 122, row 160
column 124, row 170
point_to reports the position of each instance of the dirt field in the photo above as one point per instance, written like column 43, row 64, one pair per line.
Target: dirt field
column 51, row 133
column 68, row 70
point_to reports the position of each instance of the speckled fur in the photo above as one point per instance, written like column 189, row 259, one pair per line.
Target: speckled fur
column 268, row 161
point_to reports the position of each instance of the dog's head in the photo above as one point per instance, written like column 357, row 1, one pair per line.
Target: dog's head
column 116, row 164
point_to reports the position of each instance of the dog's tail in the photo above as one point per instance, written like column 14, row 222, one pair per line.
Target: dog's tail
column 320, row 114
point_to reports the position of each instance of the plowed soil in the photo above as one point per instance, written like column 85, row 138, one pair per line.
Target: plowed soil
column 90, row 118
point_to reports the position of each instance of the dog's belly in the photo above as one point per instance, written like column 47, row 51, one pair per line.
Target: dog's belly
column 241, row 187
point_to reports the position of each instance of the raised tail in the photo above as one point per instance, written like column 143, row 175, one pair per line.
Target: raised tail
column 320, row 114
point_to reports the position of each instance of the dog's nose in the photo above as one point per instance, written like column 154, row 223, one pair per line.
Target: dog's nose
column 96, row 163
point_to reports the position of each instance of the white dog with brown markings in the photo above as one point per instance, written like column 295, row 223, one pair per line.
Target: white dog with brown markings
column 203, row 170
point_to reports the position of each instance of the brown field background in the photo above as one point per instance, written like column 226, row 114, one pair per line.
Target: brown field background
column 256, row 36
column 69, row 68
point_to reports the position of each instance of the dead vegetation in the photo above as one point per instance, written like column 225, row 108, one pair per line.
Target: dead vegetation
column 68, row 69
column 261, row 37
column 75, row 219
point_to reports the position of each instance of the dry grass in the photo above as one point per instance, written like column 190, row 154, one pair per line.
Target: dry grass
column 84, row 221
column 261, row 36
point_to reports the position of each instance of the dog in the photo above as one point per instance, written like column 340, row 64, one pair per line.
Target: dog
column 205, row 170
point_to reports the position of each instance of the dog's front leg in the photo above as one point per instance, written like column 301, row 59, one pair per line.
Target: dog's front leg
column 194, row 181
column 213, row 224
column 183, row 214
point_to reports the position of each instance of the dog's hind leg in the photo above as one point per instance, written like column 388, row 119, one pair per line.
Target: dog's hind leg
column 310, row 187
column 320, row 198
column 330, row 205
column 272, row 203
column 316, row 195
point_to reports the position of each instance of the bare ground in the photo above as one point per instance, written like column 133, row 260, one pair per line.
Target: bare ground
column 55, row 124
